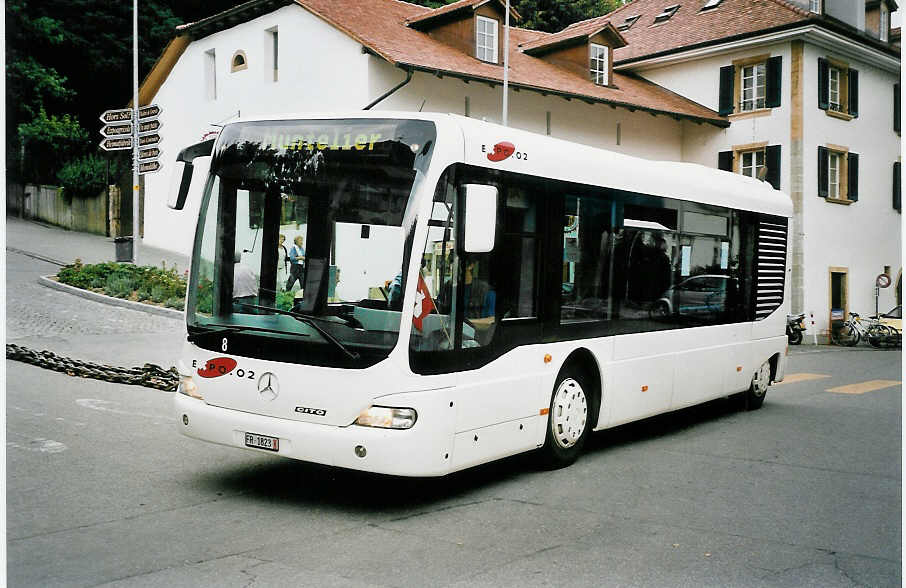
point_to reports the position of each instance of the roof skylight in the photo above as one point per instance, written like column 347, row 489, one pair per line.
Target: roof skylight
column 668, row 12
column 626, row 24
column 711, row 4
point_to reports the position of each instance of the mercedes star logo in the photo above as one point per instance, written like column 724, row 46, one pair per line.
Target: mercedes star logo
column 268, row 388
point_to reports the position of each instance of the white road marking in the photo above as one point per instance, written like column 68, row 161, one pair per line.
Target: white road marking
column 109, row 406
column 40, row 445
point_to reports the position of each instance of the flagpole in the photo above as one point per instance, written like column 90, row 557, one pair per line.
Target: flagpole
column 506, row 61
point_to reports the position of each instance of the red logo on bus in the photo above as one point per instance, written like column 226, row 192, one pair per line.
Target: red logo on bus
column 219, row 366
column 502, row 150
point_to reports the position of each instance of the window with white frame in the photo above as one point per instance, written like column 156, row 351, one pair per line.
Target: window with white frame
column 814, row 6
column 486, row 39
column 599, row 64
column 751, row 163
column 753, row 86
column 834, row 161
column 833, row 89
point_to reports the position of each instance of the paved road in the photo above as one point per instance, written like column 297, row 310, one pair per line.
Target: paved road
column 102, row 491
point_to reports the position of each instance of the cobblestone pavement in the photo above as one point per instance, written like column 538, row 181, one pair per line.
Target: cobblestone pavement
column 33, row 310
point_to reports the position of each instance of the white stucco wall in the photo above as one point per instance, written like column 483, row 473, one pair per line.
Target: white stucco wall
column 322, row 69
column 864, row 236
column 641, row 134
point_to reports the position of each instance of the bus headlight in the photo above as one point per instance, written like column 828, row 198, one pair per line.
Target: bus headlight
column 188, row 387
column 385, row 417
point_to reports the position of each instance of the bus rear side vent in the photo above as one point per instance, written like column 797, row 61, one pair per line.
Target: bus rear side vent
column 770, row 264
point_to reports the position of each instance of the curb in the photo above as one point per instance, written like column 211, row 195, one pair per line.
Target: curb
column 104, row 299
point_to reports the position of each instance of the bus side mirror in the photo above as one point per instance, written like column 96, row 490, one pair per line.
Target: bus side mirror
column 181, row 180
column 480, row 218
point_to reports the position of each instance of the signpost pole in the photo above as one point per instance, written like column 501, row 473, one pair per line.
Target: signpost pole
column 506, row 63
column 135, row 204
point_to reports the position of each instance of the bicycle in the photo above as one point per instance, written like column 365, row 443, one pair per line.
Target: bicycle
column 857, row 328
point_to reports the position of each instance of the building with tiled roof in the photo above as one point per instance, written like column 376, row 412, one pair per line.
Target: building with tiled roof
column 793, row 90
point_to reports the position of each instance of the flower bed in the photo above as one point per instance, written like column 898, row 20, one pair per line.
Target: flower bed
column 160, row 286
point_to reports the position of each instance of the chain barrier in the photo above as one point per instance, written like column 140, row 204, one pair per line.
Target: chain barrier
column 149, row 375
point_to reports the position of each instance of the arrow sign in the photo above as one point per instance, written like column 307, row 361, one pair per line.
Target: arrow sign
column 117, row 130
column 149, row 126
column 148, row 140
column 149, row 153
column 150, row 111
column 116, row 144
column 149, row 167
column 118, row 115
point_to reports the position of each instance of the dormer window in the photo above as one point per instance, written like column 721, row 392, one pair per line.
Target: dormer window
column 486, row 39
column 665, row 16
column 711, row 4
column 599, row 63
column 627, row 24
column 814, row 6
column 884, row 28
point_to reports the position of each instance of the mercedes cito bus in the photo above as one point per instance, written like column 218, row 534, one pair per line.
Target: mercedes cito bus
column 414, row 294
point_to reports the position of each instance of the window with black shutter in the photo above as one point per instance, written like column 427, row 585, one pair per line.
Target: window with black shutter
column 750, row 84
column 774, row 67
column 725, row 161
column 725, row 101
column 853, row 94
column 822, row 171
column 897, row 203
column 852, row 176
column 838, row 175
column 838, row 89
column 772, row 162
column 896, row 107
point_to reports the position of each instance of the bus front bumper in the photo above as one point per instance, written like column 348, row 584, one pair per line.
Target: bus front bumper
column 422, row 450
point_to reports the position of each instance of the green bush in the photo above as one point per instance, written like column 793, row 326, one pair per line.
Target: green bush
column 174, row 302
column 158, row 294
column 158, row 284
column 285, row 300
column 118, row 285
column 84, row 177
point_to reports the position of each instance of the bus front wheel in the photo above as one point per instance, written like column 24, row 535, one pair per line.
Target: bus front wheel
column 759, row 387
column 568, row 420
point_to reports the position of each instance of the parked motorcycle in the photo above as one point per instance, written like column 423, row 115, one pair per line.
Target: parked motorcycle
column 795, row 326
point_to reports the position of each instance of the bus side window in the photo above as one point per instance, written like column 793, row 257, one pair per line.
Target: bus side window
column 584, row 291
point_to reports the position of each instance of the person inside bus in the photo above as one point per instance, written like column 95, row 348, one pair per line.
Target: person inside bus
column 245, row 286
column 297, row 264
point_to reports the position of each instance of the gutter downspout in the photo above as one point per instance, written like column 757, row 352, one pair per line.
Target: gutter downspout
column 391, row 90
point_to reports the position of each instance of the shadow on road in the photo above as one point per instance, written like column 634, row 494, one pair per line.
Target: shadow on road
column 305, row 483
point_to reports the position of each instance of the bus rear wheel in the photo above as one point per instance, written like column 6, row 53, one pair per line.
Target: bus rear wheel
column 568, row 420
column 754, row 397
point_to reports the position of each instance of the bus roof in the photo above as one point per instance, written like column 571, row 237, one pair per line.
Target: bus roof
column 544, row 156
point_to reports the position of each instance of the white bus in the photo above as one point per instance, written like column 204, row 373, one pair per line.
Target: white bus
column 465, row 291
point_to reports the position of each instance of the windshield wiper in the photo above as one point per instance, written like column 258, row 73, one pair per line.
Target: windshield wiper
column 192, row 337
column 311, row 322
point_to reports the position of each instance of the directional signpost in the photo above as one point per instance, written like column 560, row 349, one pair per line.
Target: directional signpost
column 121, row 136
column 124, row 128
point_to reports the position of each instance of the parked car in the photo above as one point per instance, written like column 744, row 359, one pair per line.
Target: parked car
column 894, row 318
column 698, row 296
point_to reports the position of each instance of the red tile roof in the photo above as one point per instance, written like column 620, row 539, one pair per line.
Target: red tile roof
column 380, row 26
column 692, row 26
column 449, row 9
column 571, row 33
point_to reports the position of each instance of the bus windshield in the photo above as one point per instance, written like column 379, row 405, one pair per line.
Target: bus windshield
column 304, row 236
